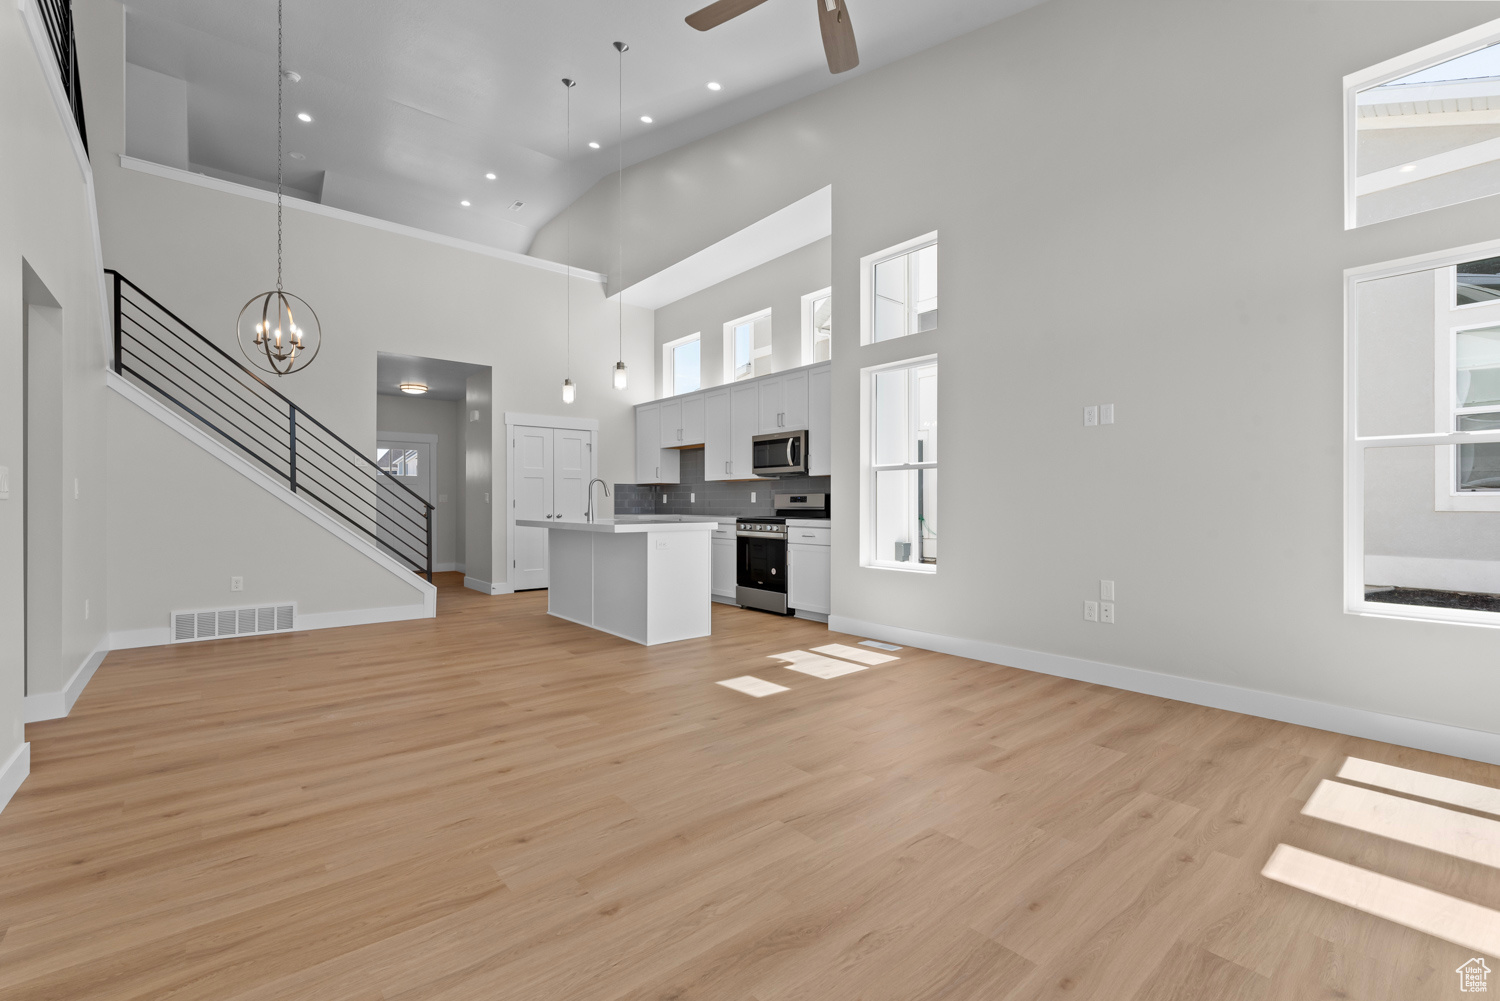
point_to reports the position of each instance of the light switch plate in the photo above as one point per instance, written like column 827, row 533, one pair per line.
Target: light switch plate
column 1106, row 590
column 442, row 498
column 4, row 483
column 1106, row 413
column 473, row 416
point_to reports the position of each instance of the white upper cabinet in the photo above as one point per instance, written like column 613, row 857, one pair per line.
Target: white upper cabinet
column 820, row 420
column 783, row 402
column 692, row 425
column 718, row 437
column 743, row 401
column 671, row 422
column 653, row 464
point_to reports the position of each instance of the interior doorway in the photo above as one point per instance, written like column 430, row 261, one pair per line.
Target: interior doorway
column 41, row 482
column 411, row 459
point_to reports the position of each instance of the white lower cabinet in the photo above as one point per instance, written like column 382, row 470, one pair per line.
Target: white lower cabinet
column 809, row 578
column 723, row 576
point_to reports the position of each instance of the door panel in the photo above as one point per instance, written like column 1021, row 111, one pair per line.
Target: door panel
column 772, row 403
column 744, row 403
column 718, row 435
column 692, row 419
column 794, row 401
column 532, row 480
column 572, row 452
column 671, row 424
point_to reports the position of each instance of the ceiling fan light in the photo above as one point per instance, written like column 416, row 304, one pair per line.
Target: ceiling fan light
column 413, row 388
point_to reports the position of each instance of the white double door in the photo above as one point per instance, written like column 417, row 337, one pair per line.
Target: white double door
column 550, row 473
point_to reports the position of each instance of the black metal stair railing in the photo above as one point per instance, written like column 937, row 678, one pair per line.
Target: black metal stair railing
column 159, row 352
column 57, row 15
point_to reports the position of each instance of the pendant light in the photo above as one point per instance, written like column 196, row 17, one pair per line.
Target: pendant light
column 568, row 389
column 620, row 373
column 269, row 330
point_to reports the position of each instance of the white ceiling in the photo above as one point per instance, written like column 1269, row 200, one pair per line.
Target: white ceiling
column 445, row 380
column 414, row 102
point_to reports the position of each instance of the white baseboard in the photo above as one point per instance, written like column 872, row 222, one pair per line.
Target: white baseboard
column 1478, row 745
column 447, row 568
column 1438, row 574
column 14, row 773
column 40, row 706
column 485, row 587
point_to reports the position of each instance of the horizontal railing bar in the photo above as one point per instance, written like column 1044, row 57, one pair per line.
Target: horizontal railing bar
column 356, row 524
column 278, row 407
column 380, row 474
column 160, row 373
column 252, row 416
column 357, row 452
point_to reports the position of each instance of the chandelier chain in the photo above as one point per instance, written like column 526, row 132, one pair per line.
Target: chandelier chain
column 280, row 158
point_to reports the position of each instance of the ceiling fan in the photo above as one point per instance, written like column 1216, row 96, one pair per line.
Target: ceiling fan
column 833, row 17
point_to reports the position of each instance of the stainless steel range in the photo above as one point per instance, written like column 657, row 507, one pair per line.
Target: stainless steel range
column 760, row 552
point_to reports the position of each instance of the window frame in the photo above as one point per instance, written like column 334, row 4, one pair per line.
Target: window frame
column 669, row 365
column 867, row 265
column 1356, row 445
column 752, row 319
column 869, row 526
column 1461, row 44
column 809, row 335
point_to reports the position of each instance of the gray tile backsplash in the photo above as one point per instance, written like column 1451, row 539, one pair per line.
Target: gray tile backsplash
column 731, row 498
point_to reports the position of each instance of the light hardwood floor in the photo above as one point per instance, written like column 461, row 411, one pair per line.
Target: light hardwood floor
column 499, row 805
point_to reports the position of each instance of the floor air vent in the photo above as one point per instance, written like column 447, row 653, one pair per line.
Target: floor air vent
column 232, row 622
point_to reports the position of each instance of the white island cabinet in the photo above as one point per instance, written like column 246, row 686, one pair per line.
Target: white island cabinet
column 648, row 582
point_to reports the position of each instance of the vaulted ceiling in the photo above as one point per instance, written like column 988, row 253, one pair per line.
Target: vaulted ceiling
column 413, row 103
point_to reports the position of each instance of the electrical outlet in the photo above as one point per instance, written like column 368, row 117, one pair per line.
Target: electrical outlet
column 486, row 498
column 692, row 498
column 473, row 416
column 85, row 608
column 75, row 488
column 1091, row 611
column 663, row 498
column 1107, row 590
column 752, row 497
column 442, row 498
column 1090, row 416
column 661, row 543
column 236, row 583
column 1106, row 413
column 1107, row 612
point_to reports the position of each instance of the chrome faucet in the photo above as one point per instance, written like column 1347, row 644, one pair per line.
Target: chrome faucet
column 589, row 514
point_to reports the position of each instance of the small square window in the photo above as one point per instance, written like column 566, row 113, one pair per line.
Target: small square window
column 682, row 371
column 901, row 291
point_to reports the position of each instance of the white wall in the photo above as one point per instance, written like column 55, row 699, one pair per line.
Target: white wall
column 443, row 419
column 203, row 252
column 46, row 221
column 778, row 285
column 1138, row 202
column 156, row 111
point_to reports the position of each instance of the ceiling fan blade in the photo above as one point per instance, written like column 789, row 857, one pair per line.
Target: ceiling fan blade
column 716, row 14
column 838, row 36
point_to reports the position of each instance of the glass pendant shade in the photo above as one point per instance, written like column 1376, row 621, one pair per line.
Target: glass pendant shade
column 568, row 390
column 279, row 332
column 619, row 375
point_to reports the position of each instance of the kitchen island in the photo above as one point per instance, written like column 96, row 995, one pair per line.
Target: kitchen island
column 648, row 582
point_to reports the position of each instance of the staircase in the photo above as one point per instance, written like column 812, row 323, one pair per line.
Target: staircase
column 159, row 353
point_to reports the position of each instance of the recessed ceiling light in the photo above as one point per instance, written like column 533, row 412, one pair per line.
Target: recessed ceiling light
column 1408, row 168
column 464, row 203
column 646, row 119
column 715, row 86
column 593, row 145
column 516, row 206
column 414, row 388
column 490, row 176
column 304, row 116
column 297, row 156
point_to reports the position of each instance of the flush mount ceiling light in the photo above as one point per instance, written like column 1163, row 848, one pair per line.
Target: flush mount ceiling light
column 568, row 389
column 291, row 75
column 268, row 329
column 413, row 388
column 714, row 86
column 620, row 374
column 303, row 116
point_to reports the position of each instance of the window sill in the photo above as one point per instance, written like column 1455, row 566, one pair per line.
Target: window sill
column 902, row 568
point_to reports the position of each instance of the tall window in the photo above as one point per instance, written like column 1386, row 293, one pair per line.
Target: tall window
column 681, row 368
column 747, row 346
column 900, row 290
column 900, row 503
column 817, row 326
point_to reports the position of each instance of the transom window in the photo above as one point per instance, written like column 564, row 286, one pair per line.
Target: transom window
column 682, row 370
column 900, row 502
column 900, row 288
column 817, row 326
column 747, row 346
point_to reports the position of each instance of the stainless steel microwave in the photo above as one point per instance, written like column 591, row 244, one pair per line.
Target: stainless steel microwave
column 781, row 454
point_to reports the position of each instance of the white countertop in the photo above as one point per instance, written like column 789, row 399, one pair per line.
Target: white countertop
column 621, row 527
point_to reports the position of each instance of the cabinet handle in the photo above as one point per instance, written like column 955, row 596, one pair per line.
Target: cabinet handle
column 726, row 469
column 549, row 517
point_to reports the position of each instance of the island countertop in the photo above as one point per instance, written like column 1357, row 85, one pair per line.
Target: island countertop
column 621, row 528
